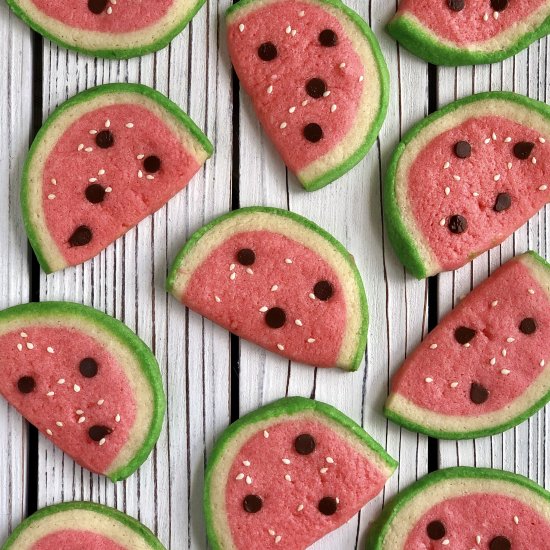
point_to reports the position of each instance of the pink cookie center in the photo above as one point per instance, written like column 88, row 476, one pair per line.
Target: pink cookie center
column 73, row 539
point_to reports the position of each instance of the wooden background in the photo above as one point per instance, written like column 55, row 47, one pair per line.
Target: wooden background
column 211, row 377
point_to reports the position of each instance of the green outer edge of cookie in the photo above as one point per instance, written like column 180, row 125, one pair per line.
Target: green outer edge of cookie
column 112, row 53
column 384, row 75
column 425, row 45
column 87, row 95
column 112, row 513
column 309, row 225
column 130, row 340
column 398, row 233
column 442, row 434
column 379, row 528
column 282, row 407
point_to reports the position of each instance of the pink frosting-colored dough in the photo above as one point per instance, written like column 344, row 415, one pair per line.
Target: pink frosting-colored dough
column 76, row 540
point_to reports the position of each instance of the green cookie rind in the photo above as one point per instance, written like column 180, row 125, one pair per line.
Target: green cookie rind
column 398, row 234
column 421, row 43
column 111, row 53
column 82, row 97
column 127, row 338
column 283, row 407
column 119, row 517
column 380, row 527
column 196, row 237
column 384, row 75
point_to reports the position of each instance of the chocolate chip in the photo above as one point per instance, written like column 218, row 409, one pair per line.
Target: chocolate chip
column 436, row 530
column 316, row 87
column 457, row 224
column 528, row 325
column 151, row 164
column 313, row 132
column 97, row 433
column 503, row 202
column 500, row 543
column 95, row 193
column 478, row 393
column 523, row 149
column 82, row 236
column 245, row 256
column 499, row 5
column 304, row 444
column 105, row 139
column 456, row 5
column 26, row 384
column 275, row 317
column 252, row 503
column 97, row 6
column 463, row 149
column 88, row 367
column 323, row 290
column 328, row 38
column 267, row 51
column 327, row 506
column 463, row 335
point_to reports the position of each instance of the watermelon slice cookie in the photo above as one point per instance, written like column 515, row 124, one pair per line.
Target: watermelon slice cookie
column 485, row 368
column 465, row 178
column 468, row 32
column 92, row 525
column 107, row 28
column 317, row 78
column 278, row 280
column 102, row 162
column 85, row 381
column 287, row 474
column 465, row 508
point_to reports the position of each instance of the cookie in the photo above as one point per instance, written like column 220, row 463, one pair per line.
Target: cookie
column 107, row 28
column 92, row 525
column 317, row 79
column 465, row 178
column 278, row 280
column 469, row 32
column 86, row 381
column 484, row 368
column 102, row 162
column 289, row 473
column 465, row 508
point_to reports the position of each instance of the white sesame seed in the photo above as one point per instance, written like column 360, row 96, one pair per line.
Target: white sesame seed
column 542, row 140
column 509, row 165
column 76, row 388
column 543, row 187
column 333, row 108
column 23, row 335
column 487, row 141
column 61, row 381
column 100, row 402
column 494, row 136
column 497, row 177
column 240, row 476
column 454, row 385
column 51, row 196
column 93, row 132
column 218, row 299
column 326, row 94
column 263, row 309
column 534, row 160
column 361, row 78
column 496, row 14
column 311, row 340
column 531, row 291
column 278, row 539
column 428, row 380
column 232, row 267
column 107, row 123
column 271, row 532
column 300, row 508
column 447, row 191
column 140, row 156
column 486, row 17
column 312, row 296
column 442, row 222
column 493, row 361
column 49, row 432
column 233, row 276
column 150, row 177
column 30, row 345
column 342, row 65
column 109, row 10
column 80, row 147
column 516, row 520
column 495, row 303
column 117, row 418
column 108, row 189
column 82, row 419
column 323, row 470
column 433, row 346
column 510, row 340
column 506, row 372
column 53, row 181
column 20, row 347
column 288, row 29
column 298, row 323
column 478, row 539
column 293, row 33
column 88, row 149
column 288, row 261
column 475, row 194
column 446, row 542
column 283, row 125
column 129, row 125
column 456, row 178
column 248, row 480
column 286, row 461
column 50, row 393
column 102, row 442
column 467, row 345
column 287, row 477
column 266, row 434
column 281, row 347
column 542, row 363
column 92, row 180
column 79, row 411
column 292, row 110
column 329, row 459
column 305, row 102
column 508, row 139
column 274, row 288
column 504, row 352
column 241, row 27
column 59, row 424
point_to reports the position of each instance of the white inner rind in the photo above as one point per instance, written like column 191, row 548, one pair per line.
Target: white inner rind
column 80, row 520
column 264, row 221
column 220, row 475
column 139, row 385
column 98, row 40
column 477, row 109
column 369, row 102
column 37, row 216
column 403, row 523
column 536, row 391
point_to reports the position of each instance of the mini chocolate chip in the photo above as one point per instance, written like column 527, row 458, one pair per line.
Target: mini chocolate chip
column 456, row 5
column 97, row 6
column 327, row 506
column 275, row 317
column 304, row 444
column 316, row 87
column 499, row 5
column 500, row 543
column 26, row 384
column 95, row 193
column 523, row 149
column 528, row 325
column 252, row 503
column 478, row 393
column 313, row 132
column 151, row 164
column 97, row 433
column 436, row 530
column 457, row 224
column 267, row 51
column 105, row 139
column 503, row 202
column 463, row 149
column 463, row 335
column 323, row 290
column 82, row 236
column 328, row 38
column 246, row 256
column 88, row 367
